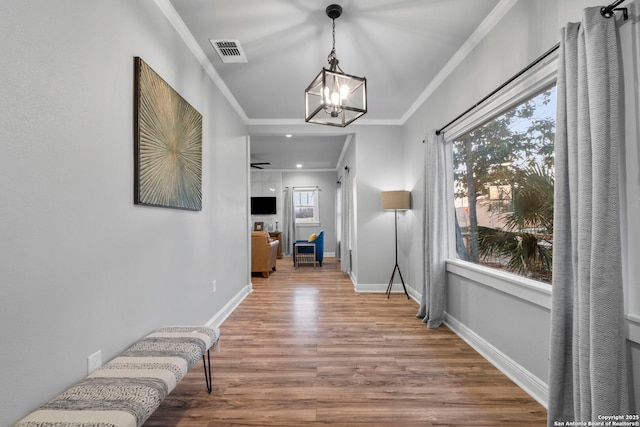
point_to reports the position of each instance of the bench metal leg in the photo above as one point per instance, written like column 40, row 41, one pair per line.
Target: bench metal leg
column 207, row 375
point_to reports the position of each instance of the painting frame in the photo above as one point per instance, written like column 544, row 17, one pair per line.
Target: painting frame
column 167, row 144
column 258, row 226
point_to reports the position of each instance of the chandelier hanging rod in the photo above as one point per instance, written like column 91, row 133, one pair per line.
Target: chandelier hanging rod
column 333, row 11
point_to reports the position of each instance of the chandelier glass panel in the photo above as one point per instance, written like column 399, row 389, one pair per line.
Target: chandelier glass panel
column 335, row 98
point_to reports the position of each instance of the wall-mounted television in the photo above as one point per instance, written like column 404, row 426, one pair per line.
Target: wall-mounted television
column 263, row 206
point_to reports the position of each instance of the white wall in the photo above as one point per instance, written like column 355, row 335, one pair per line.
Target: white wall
column 494, row 317
column 379, row 167
column 81, row 267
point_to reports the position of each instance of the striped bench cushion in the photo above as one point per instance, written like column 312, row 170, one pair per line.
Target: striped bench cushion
column 128, row 389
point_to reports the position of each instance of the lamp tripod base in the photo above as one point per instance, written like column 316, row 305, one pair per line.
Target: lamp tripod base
column 391, row 282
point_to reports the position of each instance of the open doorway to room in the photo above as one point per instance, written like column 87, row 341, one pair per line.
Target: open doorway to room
column 306, row 167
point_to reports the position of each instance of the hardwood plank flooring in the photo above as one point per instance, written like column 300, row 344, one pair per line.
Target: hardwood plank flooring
column 305, row 350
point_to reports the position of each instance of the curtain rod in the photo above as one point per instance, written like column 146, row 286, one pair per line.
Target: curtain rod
column 606, row 11
column 306, row 186
column 518, row 74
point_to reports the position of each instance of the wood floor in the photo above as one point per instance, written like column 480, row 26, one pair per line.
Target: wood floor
column 305, row 350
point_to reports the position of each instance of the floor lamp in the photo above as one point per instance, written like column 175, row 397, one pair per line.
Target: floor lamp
column 396, row 200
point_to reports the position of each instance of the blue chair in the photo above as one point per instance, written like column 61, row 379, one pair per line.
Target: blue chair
column 318, row 241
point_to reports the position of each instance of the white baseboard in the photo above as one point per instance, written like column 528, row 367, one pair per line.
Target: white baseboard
column 370, row 288
column 531, row 384
column 229, row 307
column 354, row 280
column 382, row 289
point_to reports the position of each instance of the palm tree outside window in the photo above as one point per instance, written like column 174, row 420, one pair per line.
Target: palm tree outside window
column 503, row 177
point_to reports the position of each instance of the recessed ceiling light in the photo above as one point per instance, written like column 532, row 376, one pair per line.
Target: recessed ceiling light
column 298, row 165
column 288, row 135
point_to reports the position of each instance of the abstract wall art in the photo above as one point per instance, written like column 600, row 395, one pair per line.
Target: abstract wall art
column 167, row 144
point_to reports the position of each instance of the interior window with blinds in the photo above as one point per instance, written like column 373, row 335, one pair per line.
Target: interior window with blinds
column 503, row 183
column 305, row 201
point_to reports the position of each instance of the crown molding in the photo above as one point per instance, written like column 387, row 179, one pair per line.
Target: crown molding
column 295, row 122
column 467, row 47
column 172, row 16
column 253, row 170
column 483, row 29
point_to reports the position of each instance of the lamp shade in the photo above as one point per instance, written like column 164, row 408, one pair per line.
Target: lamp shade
column 400, row 200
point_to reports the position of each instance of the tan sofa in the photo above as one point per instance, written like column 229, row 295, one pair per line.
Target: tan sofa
column 263, row 253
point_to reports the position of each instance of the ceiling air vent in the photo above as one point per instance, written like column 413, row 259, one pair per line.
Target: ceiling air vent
column 229, row 50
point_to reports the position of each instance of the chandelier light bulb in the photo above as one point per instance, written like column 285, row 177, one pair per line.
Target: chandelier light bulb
column 344, row 92
column 336, row 99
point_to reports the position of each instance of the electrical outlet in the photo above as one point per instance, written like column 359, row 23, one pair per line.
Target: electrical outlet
column 214, row 286
column 94, row 361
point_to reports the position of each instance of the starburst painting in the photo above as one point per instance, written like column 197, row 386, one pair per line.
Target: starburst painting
column 168, row 144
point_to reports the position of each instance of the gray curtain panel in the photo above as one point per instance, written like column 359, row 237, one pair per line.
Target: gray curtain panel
column 289, row 226
column 345, row 247
column 338, row 217
column 434, row 232
column 588, row 375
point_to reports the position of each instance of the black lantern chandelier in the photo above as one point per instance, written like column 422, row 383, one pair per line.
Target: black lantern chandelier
column 333, row 97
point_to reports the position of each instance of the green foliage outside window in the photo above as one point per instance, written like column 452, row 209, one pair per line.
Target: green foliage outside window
column 504, row 189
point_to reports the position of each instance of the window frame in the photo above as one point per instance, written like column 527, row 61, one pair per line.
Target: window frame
column 315, row 220
column 534, row 81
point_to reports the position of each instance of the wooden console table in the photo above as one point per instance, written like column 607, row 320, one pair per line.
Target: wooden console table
column 277, row 235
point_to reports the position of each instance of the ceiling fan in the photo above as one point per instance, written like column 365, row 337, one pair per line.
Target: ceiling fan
column 259, row 165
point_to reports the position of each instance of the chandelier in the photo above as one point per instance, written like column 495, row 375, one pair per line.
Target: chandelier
column 335, row 98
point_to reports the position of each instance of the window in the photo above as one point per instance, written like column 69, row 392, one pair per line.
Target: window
column 503, row 184
column 305, row 202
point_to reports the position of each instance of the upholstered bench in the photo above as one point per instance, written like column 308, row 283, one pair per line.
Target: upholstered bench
column 128, row 389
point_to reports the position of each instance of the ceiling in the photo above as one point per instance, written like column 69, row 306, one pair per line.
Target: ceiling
column 400, row 46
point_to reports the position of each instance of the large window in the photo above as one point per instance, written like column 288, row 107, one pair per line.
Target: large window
column 305, row 202
column 503, row 176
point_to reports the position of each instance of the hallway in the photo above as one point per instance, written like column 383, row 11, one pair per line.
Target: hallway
column 305, row 350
